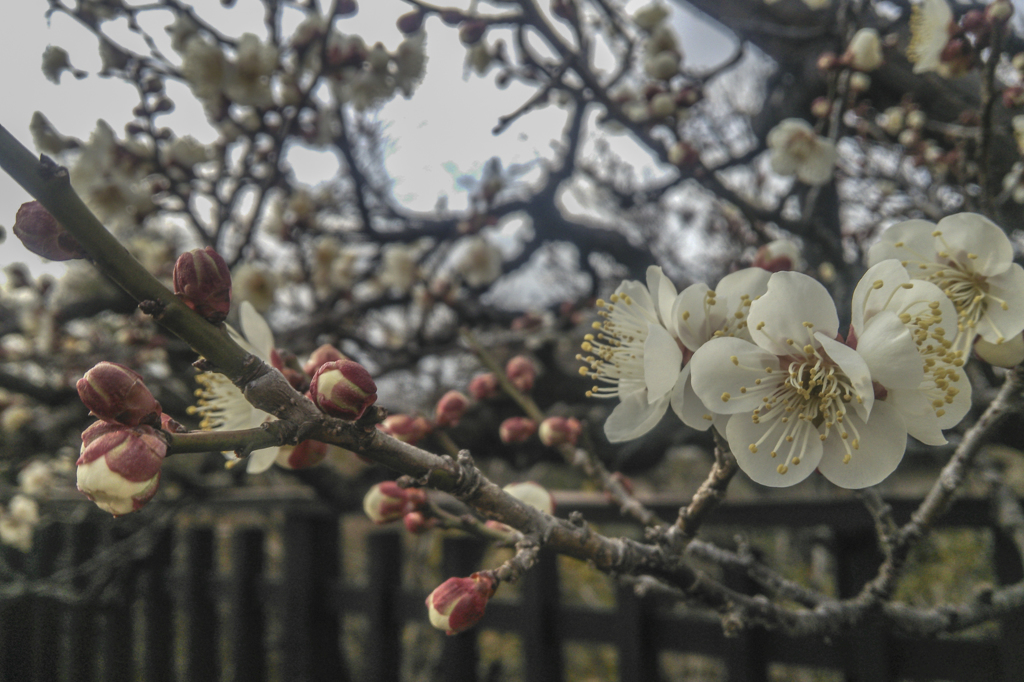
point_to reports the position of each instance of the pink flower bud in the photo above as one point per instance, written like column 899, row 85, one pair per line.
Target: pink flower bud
column 306, row 454
column 410, row 23
column 417, row 523
column 483, row 386
column 521, row 371
column 116, row 393
column 405, row 428
column 558, row 430
column 450, row 409
column 388, row 501
column 533, row 494
column 343, row 389
column 323, row 354
column 43, row 235
column 471, row 31
column 458, row 604
column 119, row 466
column 202, row 279
column 516, row 429
column 778, row 255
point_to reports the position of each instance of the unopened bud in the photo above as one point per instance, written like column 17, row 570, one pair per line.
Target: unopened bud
column 828, row 61
column 417, row 523
column 516, row 429
column 483, row 386
column 450, row 409
column 306, row 454
column 864, row 52
column 405, row 428
column 343, row 389
column 521, row 371
column 471, row 31
column 43, row 235
column 452, row 17
column 555, row 431
column 345, row 8
column 999, row 11
column 778, row 256
column 410, row 23
column 203, row 280
column 119, row 467
column 323, row 354
column 821, row 107
column 116, row 393
column 458, row 604
column 859, row 82
column 533, row 494
column 387, row 501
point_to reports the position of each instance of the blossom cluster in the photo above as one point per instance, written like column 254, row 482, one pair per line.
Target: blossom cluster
column 761, row 357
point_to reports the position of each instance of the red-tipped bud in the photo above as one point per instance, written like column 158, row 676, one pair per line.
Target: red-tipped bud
column 323, row 354
column 471, row 31
column 405, row 428
column 458, row 604
column 170, row 425
column 116, row 393
column 483, row 386
column 43, row 235
column 410, row 23
column 417, row 523
column 778, row 256
column 450, row 409
column 343, row 389
column 521, row 371
column 516, row 429
column 119, row 467
column 306, row 454
column 533, row 494
column 559, row 430
column 202, row 279
column 387, row 501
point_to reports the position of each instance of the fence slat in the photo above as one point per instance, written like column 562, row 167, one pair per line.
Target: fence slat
column 15, row 627
column 383, row 659
column 747, row 656
column 158, row 611
column 312, row 632
column 248, row 647
column 201, row 630
column 46, row 616
column 866, row 655
column 460, row 656
column 638, row 658
column 116, row 636
column 1011, row 628
column 78, row 662
column 541, row 627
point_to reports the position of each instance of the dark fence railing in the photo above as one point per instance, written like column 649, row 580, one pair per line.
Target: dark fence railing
column 200, row 602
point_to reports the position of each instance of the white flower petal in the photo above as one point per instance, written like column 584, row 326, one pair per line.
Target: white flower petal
column 663, row 292
column 918, row 414
column 687, row 405
column 890, row 352
column 793, row 301
column 662, row 359
column 974, row 234
column 261, row 460
column 882, row 442
column 633, row 417
column 855, row 369
column 909, row 240
column 760, row 466
column 689, row 315
column 726, row 386
column 1008, row 354
column 874, row 291
column 642, row 301
column 257, row 331
column 1005, row 288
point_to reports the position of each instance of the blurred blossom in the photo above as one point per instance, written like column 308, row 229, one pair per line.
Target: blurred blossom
column 36, row 478
column 797, row 150
column 255, row 283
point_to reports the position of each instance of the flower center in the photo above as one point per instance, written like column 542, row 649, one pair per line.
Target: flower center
column 618, row 347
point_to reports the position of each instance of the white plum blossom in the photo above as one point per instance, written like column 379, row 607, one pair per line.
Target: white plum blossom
column 971, row 260
column 931, row 25
column 221, row 404
column 255, row 283
column 480, row 262
column 247, row 78
column 642, row 349
column 797, row 150
column 892, row 312
column 798, row 398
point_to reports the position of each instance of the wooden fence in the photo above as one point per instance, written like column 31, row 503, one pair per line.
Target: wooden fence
column 197, row 604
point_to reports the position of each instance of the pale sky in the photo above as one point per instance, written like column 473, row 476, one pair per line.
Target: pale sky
column 440, row 134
